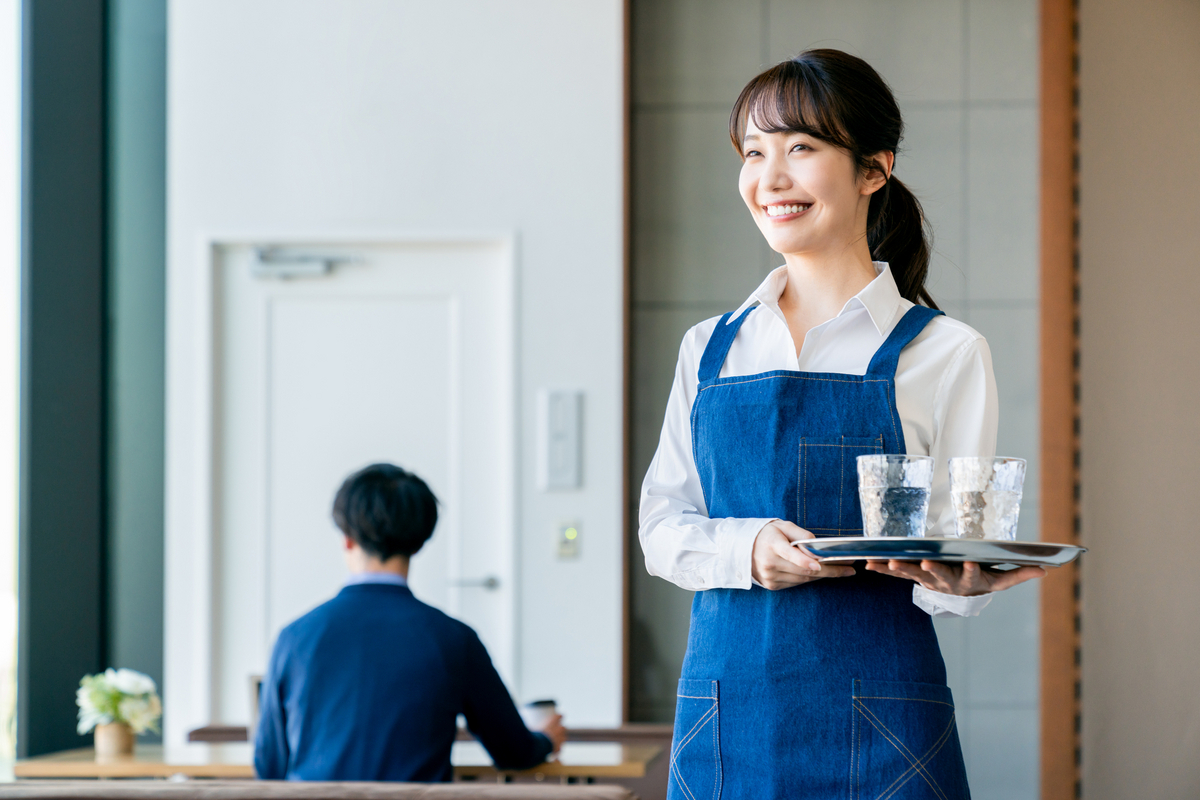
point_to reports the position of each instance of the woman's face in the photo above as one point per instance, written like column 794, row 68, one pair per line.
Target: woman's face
column 806, row 195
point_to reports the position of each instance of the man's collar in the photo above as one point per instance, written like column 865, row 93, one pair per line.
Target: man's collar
column 390, row 578
column 881, row 298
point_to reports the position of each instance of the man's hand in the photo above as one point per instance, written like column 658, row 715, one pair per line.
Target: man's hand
column 964, row 580
column 555, row 731
column 776, row 564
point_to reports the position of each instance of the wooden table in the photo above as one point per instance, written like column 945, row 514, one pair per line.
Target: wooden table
column 148, row 761
column 578, row 761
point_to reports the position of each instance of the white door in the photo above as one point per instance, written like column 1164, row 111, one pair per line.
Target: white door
column 400, row 353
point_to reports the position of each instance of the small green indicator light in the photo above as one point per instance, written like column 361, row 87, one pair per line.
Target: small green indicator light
column 571, row 533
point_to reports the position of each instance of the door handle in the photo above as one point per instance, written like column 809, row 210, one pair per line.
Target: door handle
column 491, row 583
column 284, row 263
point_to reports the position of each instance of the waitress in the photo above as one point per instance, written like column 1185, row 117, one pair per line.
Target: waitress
column 803, row 679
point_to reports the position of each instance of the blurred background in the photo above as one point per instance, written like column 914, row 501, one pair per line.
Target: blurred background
column 247, row 247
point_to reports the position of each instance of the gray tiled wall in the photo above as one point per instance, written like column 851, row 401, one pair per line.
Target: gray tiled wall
column 965, row 74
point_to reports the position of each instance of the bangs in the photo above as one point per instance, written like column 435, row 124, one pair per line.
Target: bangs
column 791, row 97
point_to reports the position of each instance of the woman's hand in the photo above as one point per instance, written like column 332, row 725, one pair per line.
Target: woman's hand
column 965, row 580
column 776, row 564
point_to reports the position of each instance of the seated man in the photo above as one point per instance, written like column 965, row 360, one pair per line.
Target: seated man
column 368, row 686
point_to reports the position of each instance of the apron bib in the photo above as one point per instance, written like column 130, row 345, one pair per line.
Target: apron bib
column 831, row 689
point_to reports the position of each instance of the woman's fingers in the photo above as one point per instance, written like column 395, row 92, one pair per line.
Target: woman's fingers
column 780, row 565
column 913, row 571
column 1014, row 576
column 947, row 577
column 781, row 572
column 965, row 580
column 971, row 579
column 836, row 571
column 811, row 566
column 773, row 564
column 899, row 569
column 795, row 561
column 791, row 531
column 793, row 555
column 816, row 568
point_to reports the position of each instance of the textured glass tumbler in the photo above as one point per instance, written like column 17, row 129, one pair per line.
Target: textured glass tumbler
column 894, row 493
column 986, row 496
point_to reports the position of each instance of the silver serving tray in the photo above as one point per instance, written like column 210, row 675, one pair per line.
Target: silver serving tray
column 983, row 551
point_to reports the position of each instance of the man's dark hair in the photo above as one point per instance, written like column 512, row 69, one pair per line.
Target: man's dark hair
column 386, row 510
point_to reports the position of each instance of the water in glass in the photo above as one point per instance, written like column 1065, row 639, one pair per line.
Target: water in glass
column 894, row 492
column 894, row 511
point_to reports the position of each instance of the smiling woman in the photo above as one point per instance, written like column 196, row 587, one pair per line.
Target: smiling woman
column 830, row 107
column 817, row 674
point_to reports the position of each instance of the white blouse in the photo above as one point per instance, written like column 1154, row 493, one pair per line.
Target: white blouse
column 945, row 395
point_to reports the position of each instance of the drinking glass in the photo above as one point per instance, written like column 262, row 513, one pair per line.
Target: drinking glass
column 894, row 493
column 986, row 496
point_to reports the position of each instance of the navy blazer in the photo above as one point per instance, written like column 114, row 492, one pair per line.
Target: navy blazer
column 369, row 685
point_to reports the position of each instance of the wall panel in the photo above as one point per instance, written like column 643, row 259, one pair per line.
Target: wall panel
column 1139, row 88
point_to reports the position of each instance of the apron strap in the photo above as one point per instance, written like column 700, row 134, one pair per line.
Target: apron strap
column 883, row 364
column 719, row 344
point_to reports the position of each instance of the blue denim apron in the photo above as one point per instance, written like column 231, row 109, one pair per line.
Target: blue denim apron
column 832, row 689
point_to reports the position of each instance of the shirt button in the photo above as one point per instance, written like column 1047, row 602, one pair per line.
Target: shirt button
column 739, row 576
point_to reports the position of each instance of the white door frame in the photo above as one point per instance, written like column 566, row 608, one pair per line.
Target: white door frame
column 188, row 637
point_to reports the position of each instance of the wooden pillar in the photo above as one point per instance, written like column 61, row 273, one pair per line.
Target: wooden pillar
column 1059, row 238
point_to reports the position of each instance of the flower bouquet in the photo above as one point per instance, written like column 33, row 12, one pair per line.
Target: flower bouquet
column 118, row 703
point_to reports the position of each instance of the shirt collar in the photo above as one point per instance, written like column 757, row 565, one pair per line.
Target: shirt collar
column 389, row 578
column 881, row 298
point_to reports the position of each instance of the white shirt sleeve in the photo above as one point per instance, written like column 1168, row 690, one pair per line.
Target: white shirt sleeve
column 681, row 543
column 965, row 416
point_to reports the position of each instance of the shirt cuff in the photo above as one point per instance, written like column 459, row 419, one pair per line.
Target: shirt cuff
column 936, row 604
column 735, row 541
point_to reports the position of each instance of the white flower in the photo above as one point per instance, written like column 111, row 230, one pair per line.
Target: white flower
column 140, row 712
column 83, row 699
column 93, row 698
column 118, row 695
column 128, row 681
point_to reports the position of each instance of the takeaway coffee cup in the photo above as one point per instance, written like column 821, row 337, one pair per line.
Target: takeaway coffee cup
column 538, row 713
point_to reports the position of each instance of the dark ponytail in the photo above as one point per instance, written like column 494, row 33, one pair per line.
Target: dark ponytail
column 840, row 99
column 898, row 234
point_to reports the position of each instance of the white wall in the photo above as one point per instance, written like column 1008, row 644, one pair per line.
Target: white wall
column 375, row 118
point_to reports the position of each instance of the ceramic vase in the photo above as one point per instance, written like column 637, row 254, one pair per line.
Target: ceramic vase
column 113, row 740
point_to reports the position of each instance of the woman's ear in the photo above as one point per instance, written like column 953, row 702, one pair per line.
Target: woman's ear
column 879, row 172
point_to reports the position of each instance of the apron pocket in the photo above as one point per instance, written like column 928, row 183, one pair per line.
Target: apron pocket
column 696, row 745
column 904, row 742
column 827, row 492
